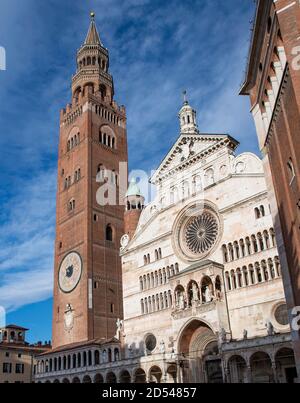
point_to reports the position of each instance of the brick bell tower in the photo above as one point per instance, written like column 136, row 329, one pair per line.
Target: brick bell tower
column 93, row 141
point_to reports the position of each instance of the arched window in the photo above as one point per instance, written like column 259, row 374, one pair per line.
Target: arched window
column 272, row 234
column 242, row 248
column 71, row 205
column 231, row 253
column 228, row 281
column 261, row 242
column 109, row 233
column 254, row 243
column 262, row 211
column 257, row 213
column 236, row 249
column 225, row 253
column 142, row 307
column 245, row 273
column 248, row 244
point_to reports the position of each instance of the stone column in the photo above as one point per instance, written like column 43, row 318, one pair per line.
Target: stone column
column 274, row 370
column 249, row 374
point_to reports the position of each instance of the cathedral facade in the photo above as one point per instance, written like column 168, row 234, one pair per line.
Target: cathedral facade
column 202, row 292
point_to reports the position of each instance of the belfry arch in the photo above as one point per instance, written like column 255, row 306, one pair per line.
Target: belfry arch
column 198, row 344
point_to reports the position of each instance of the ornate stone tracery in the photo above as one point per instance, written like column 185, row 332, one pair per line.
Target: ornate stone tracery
column 201, row 233
column 197, row 231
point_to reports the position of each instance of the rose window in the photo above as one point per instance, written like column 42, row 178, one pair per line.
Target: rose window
column 197, row 231
column 201, row 233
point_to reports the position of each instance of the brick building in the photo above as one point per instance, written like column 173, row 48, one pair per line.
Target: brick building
column 273, row 84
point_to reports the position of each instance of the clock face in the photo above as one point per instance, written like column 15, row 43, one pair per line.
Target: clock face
column 70, row 272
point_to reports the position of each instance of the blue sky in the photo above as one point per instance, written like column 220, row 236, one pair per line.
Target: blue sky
column 157, row 48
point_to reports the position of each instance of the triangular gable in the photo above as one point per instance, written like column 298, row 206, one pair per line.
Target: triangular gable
column 188, row 147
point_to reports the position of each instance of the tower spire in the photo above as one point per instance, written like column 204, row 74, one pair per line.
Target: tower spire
column 92, row 37
column 92, row 75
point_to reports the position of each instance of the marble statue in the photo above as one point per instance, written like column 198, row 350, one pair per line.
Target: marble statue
column 195, row 292
column 181, row 301
column 270, row 329
column 162, row 347
column 208, row 294
column 119, row 325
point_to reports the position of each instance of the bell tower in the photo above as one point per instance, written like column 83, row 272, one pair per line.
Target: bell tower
column 188, row 118
column 92, row 145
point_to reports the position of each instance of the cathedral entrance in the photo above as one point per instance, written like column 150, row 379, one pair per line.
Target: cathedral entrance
column 198, row 348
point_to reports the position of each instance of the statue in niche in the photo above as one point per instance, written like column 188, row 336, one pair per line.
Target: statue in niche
column 181, row 301
column 245, row 334
column 162, row 347
column 208, row 295
column 130, row 351
column 104, row 356
column 195, row 292
column 270, row 329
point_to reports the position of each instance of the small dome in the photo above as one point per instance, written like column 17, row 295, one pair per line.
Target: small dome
column 133, row 189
